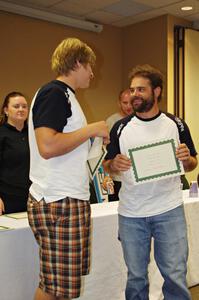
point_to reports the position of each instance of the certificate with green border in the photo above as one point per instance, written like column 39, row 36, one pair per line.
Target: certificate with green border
column 155, row 161
column 95, row 156
column 95, row 162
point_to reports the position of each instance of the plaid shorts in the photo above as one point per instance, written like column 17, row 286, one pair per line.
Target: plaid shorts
column 62, row 230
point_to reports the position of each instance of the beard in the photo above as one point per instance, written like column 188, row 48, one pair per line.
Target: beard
column 145, row 105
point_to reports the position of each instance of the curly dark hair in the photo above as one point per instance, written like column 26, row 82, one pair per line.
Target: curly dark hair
column 154, row 76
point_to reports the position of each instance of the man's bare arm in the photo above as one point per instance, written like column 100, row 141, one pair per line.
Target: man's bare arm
column 52, row 143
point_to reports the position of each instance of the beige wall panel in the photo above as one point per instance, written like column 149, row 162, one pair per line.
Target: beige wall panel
column 146, row 43
column 191, row 88
column 172, row 21
column 26, row 48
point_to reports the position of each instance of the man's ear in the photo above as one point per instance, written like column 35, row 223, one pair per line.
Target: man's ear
column 78, row 64
column 5, row 110
column 157, row 91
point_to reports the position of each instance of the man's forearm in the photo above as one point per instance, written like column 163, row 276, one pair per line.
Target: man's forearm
column 190, row 164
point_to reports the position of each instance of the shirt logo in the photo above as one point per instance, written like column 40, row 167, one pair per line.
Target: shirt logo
column 120, row 128
column 67, row 96
column 180, row 124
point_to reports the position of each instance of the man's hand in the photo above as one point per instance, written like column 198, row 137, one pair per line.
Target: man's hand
column 183, row 154
column 120, row 163
column 100, row 129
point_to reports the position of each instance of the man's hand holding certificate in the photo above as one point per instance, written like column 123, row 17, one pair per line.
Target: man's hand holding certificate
column 155, row 161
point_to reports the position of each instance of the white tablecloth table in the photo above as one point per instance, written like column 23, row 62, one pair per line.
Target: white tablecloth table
column 19, row 264
column 18, row 261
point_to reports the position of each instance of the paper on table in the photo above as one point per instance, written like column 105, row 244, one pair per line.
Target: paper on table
column 3, row 228
column 155, row 161
column 95, row 156
column 20, row 215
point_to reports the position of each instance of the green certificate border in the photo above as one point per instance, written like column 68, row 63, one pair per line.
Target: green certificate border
column 97, row 163
column 140, row 179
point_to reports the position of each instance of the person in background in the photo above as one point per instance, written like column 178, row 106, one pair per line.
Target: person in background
column 155, row 208
column 58, row 206
column 125, row 109
column 14, row 154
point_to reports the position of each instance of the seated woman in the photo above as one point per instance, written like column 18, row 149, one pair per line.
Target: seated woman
column 14, row 154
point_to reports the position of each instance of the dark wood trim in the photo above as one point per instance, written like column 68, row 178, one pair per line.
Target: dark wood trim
column 179, row 34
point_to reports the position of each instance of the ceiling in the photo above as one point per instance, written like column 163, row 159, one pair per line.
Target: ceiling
column 118, row 13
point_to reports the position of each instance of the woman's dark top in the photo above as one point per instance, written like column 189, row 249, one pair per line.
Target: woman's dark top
column 14, row 161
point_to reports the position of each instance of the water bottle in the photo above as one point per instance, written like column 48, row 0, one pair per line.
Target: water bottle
column 193, row 191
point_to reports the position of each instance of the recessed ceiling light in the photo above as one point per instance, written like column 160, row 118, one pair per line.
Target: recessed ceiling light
column 186, row 8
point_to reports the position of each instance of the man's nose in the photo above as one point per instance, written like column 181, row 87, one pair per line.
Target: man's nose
column 136, row 92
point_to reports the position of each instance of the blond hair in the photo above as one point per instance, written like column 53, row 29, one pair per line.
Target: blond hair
column 68, row 53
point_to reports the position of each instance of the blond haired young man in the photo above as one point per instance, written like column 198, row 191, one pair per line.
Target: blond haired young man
column 58, row 207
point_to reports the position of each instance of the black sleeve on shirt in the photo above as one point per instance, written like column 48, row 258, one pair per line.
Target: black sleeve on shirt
column 184, row 133
column 185, row 137
column 51, row 108
column 113, row 148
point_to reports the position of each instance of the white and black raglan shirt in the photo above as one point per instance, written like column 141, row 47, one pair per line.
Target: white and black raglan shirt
column 155, row 197
column 55, row 106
